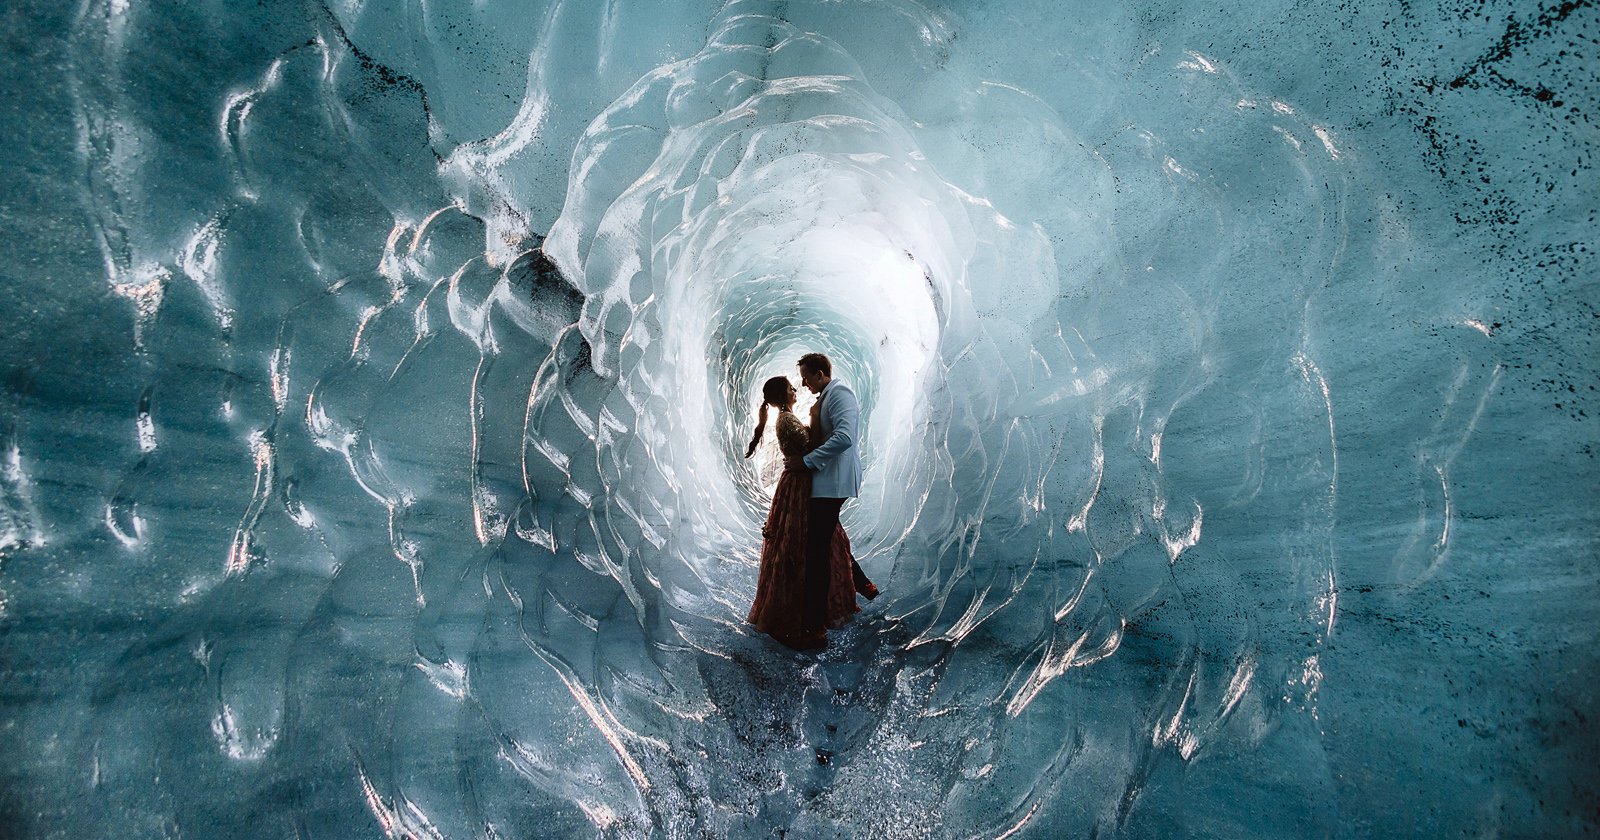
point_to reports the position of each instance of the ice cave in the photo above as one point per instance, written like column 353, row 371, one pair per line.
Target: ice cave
column 377, row 376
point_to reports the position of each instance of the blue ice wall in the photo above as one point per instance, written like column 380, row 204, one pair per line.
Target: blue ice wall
column 376, row 376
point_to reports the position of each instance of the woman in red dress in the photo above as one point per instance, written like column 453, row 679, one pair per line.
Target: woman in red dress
column 780, row 588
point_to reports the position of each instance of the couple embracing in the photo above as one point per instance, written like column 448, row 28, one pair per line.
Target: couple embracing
column 809, row 579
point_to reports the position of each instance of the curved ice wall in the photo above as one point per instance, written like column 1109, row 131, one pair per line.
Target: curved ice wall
column 378, row 375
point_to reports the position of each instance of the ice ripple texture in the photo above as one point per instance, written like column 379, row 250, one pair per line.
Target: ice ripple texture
column 381, row 373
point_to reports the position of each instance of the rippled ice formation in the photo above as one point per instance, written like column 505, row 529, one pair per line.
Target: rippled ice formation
column 377, row 375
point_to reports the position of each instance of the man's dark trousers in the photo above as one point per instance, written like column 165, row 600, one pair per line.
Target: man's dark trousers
column 820, row 525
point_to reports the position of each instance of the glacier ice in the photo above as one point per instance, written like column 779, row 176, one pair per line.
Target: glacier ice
column 377, row 376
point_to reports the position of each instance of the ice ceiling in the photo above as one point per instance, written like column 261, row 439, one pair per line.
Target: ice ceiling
column 378, row 373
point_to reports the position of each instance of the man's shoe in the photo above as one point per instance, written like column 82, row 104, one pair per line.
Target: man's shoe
column 869, row 591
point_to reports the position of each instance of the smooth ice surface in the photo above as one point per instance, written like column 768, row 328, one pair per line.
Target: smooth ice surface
column 377, row 375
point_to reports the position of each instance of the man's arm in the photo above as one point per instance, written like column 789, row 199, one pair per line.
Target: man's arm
column 845, row 412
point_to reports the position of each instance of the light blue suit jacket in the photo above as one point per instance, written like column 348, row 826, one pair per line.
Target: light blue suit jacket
column 836, row 463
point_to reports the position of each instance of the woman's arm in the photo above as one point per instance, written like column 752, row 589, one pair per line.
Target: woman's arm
column 846, row 414
column 814, row 429
column 792, row 436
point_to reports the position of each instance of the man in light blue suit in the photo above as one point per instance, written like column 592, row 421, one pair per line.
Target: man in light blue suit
column 836, row 463
column 835, row 476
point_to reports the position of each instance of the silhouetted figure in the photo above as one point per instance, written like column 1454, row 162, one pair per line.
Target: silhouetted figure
column 789, row 604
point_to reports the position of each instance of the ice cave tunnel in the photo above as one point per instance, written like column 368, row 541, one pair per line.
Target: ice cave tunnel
column 377, row 375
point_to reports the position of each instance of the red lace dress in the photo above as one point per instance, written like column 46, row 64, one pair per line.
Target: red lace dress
column 780, row 589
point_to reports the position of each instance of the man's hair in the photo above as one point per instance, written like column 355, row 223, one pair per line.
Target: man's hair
column 817, row 361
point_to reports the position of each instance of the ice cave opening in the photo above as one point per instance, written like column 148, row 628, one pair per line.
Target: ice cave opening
column 379, row 373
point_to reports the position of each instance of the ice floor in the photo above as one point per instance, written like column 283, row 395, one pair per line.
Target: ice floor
column 377, row 375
